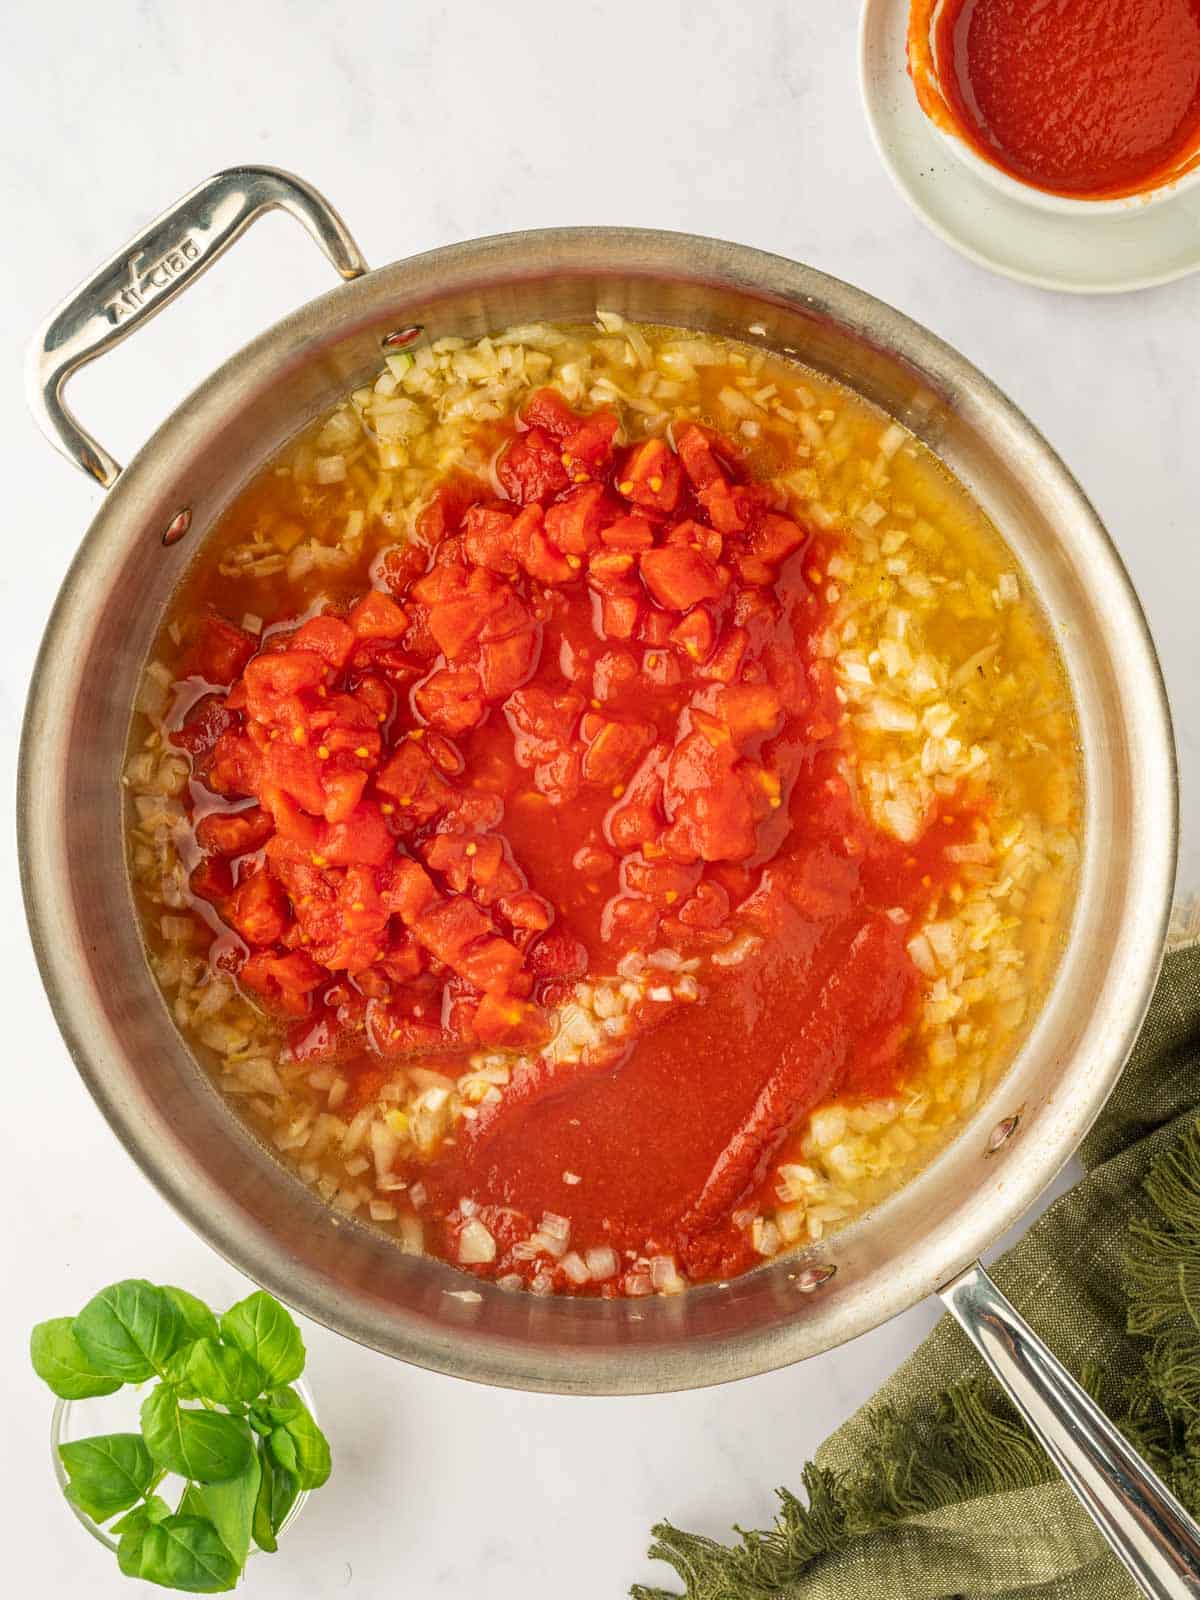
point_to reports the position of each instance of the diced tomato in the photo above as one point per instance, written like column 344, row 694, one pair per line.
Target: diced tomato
column 219, row 652
column 750, row 711
column 408, row 890
column 541, row 721
column 652, row 476
column 293, row 825
column 619, row 615
column 536, row 554
column 589, row 447
column 414, row 783
column 505, row 664
column 694, row 634
column 723, row 506
column 656, row 626
column 296, row 769
column 696, row 454
column 444, row 513
column 343, row 791
column 362, row 838
column 776, row 537
column 328, row 637
column 457, row 624
column 488, row 539
column 615, row 748
column 531, row 468
column 211, row 879
column 679, row 578
column 234, row 833
column 546, row 409
column 707, row 908
column 234, row 767
column 490, row 964
column 559, row 776
column 530, row 912
column 449, row 926
column 451, row 700
column 726, row 661
column 284, row 982
column 206, row 721
column 558, row 955
column 276, row 677
column 573, row 524
column 614, row 672
column 708, row 803
column 258, row 909
column 661, row 667
column 630, row 921
column 628, row 533
column 377, row 616
column 512, row 1023
column 446, row 580
column 667, row 883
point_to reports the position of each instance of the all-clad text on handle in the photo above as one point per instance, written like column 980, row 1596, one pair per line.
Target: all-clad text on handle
column 149, row 272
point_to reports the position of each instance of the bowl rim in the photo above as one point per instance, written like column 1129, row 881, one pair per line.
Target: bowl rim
column 1031, row 194
column 1029, row 1164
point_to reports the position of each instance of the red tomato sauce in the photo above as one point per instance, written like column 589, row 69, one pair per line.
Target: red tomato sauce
column 1091, row 98
column 582, row 718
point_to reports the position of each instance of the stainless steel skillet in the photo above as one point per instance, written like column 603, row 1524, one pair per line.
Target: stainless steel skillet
column 164, row 1108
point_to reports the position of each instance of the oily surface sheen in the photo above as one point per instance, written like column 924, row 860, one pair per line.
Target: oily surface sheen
column 1084, row 97
column 582, row 717
column 604, row 804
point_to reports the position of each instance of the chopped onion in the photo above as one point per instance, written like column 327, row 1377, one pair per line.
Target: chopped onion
column 475, row 1243
column 602, row 1262
column 575, row 1268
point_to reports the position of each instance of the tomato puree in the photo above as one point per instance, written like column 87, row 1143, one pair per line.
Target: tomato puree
column 1090, row 98
column 584, row 726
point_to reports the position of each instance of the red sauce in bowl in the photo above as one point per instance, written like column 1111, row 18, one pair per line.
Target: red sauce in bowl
column 1093, row 99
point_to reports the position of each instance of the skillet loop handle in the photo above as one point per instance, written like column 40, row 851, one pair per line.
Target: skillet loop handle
column 137, row 282
column 1148, row 1529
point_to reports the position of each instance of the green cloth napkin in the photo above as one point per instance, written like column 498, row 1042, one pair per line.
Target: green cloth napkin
column 935, row 1489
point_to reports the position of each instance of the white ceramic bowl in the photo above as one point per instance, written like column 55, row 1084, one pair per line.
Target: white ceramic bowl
column 1044, row 199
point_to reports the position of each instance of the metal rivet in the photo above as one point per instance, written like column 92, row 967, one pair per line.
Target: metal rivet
column 1002, row 1133
column 403, row 336
column 813, row 1277
column 178, row 526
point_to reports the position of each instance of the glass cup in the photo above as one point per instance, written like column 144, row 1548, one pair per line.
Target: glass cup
column 118, row 1413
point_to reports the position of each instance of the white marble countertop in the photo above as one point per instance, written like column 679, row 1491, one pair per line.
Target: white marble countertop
column 426, row 123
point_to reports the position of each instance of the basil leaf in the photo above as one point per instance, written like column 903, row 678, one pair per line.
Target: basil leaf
column 108, row 1473
column 152, row 1509
column 285, row 1491
column 198, row 1321
column 129, row 1330
column 222, row 1373
column 261, row 1526
column 276, row 1408
column 229, row 1506
column 132, row 1541
column 175, row 1373
column 183, row 1552
column 297, row 1444
column 208, row 1446
column 59, row 1360
column 260, row 1328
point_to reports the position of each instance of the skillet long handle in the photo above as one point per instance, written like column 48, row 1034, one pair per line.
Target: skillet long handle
column 1148, row 1529
column 160, row 262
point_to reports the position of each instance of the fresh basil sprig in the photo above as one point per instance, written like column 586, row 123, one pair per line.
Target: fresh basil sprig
column 220, row 1414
